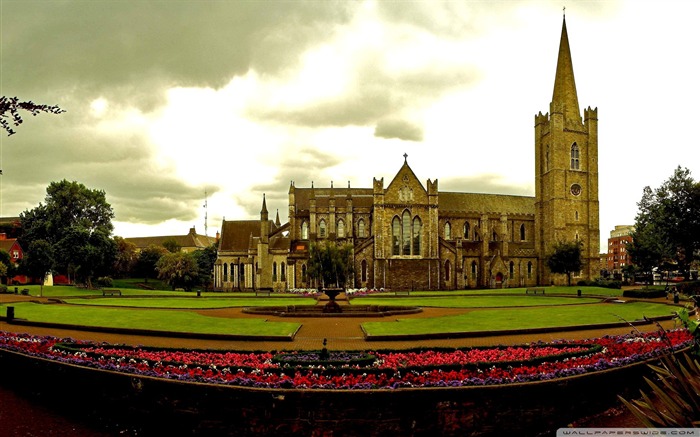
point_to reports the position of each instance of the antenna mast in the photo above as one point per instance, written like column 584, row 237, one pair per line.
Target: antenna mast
column 205, row 213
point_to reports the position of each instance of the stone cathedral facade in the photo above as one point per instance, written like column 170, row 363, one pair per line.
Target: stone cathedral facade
column 408, row 235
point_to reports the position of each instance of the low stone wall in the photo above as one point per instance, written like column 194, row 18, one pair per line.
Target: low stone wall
column 159, row 407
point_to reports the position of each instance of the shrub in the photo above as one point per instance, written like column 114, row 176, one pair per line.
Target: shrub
column 644, row 294
column 104, row 281
column 689, row 288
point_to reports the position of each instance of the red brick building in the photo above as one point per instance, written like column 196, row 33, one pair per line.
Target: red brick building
column 618, row 257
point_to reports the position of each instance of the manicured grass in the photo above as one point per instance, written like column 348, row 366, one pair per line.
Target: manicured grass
column 473, row 301
column 194, row 303
column 521, row 318
column 158, row 320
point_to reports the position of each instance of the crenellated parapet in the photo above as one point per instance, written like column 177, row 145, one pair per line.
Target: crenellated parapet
column 541, row 118
column 432, row 187
column 590, row 114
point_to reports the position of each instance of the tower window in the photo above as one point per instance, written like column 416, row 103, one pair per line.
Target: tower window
column 466, row 230
column 304, row 230
column 448, row 231
column 361, row 228
column 522, row 232
column 575, row 157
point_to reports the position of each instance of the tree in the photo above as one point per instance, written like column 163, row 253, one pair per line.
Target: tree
column 77, row 223
column 7, row 268
column 10, row 112
column 566, row 258
column 329, row 264
column 171, row 245
column 667, row 226
column 38, row 260
column 147, row 261
column 205, row 259
column 126, row 259
column 179, row 270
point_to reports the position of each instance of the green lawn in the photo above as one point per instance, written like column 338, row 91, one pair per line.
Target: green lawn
column 194, row 303
column 473, row 301
column 158, row 320
column 521, row 318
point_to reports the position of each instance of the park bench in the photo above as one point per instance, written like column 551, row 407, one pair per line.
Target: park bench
column 534, row 290
column 111, row 292
column 262, row 292
column 25, row 292
column 402, row 293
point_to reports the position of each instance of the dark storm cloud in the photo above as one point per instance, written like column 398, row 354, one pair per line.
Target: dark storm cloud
column 127, row 48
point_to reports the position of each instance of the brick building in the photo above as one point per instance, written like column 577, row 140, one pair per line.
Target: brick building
column 618, row 257
column 406, row 234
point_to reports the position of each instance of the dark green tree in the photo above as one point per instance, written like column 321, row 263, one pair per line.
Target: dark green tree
column 179, row 270
column 566, row 258
column 667, row 226
column 205, row 259
column 9, row 267
column 38, row 261
column 10, row 108
column 329, row 264
column 77, row 222
column 147, row 261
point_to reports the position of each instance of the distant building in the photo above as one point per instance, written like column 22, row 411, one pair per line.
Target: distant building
column 618, row 257
column 12, row 246
column 188, row 243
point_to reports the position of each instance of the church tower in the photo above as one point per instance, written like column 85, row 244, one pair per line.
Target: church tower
column 566, row 173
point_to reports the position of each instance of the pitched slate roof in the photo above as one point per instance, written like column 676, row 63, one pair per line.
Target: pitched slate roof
column 236, row 234
column 191, row 240
column 485, row 203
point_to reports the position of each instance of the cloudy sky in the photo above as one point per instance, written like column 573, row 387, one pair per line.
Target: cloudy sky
column 168, row 99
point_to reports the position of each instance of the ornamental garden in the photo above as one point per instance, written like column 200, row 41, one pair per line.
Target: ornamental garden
column 456, row 390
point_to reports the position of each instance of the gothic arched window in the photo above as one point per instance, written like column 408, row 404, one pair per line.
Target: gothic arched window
column 361, row 229
column 575, row 157
column 396, row 236
column 448, row 231
column 305, row 230
column 274, row 272
column 341, row 229
column 522, row 232
column 529, row 269
column 283, row 272
column 322, row 229
column 406, row 233
column 364, row 271
column 447, row 270
column 303, row 273
column 466, row 230
column 225, row 272
column 417, row 229
column 511, row 270
column 474, row 270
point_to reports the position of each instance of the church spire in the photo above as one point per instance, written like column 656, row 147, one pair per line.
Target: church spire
column 263, row 211
column 564, row 98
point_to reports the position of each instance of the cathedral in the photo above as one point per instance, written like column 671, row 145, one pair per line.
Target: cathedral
column 406, row 235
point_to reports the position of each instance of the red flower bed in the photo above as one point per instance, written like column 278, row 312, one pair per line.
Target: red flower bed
column 390, row 369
